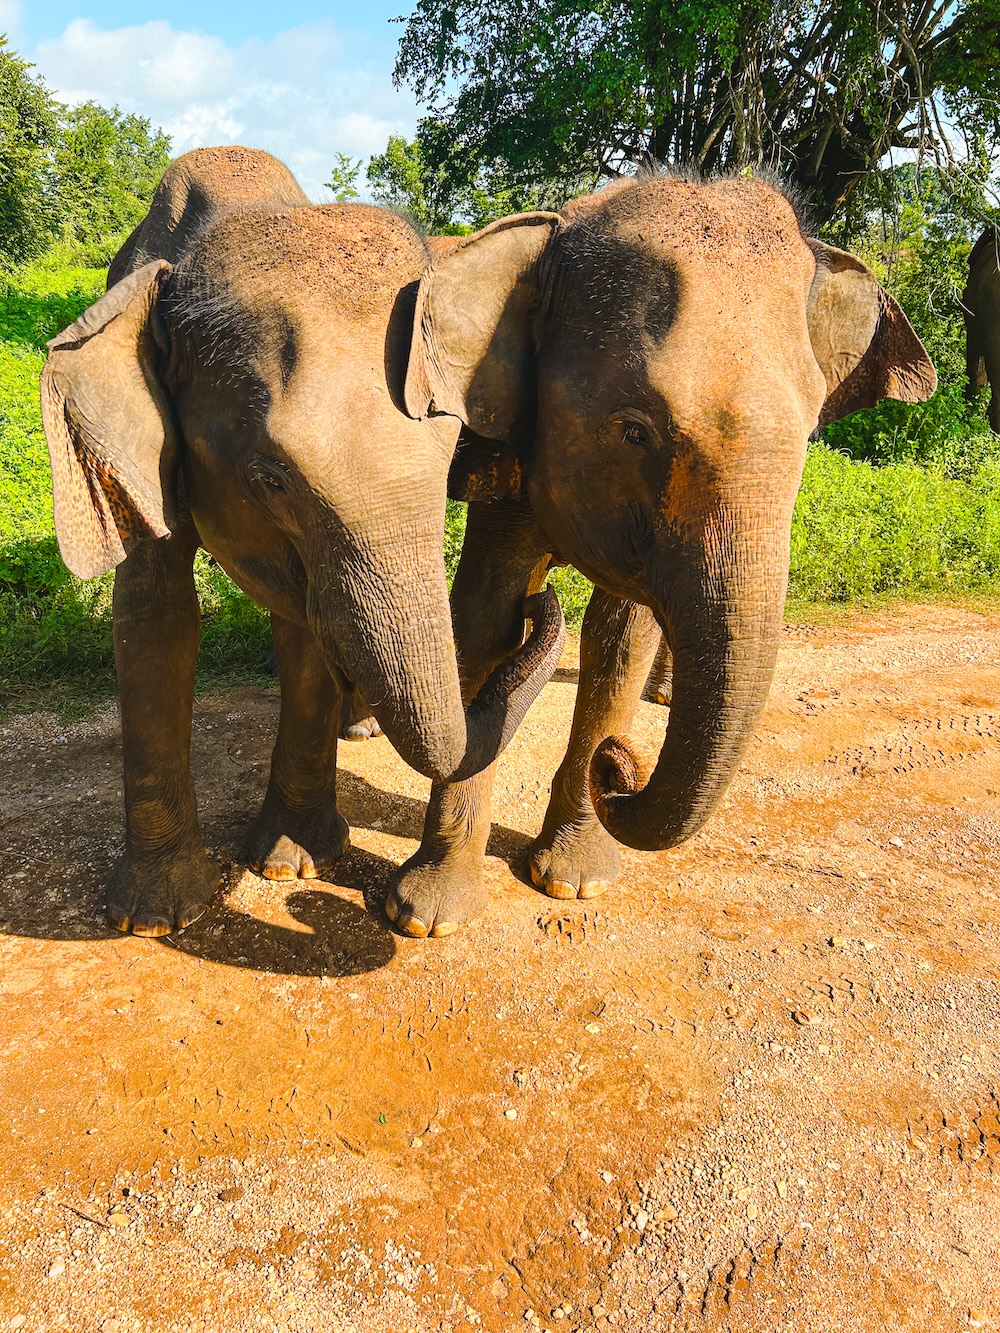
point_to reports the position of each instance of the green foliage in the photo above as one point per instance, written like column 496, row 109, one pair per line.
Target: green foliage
column 27, row 130
column 399, row 178
column 445, row 199
column 105, row 168
column 860, row 531
column 819, row 89
column 920, row 251
column 343, row 180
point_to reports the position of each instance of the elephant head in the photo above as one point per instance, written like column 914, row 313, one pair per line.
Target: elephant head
column 256, row 383
column 659, row 355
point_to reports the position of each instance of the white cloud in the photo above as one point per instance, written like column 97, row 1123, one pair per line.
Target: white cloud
column 10, row 17
column 304, row 95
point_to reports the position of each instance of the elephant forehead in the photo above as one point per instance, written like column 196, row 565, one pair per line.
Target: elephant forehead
column 336, row 262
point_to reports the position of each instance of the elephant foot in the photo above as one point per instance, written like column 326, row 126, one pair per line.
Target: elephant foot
column 356, row 720
column 161, row 895
column 574, row 859
column 285, row 844
column 435, row 897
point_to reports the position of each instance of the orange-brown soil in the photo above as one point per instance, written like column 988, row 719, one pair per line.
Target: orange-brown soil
column 755, row 1087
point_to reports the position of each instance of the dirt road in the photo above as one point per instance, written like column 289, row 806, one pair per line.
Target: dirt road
column 755, row 1087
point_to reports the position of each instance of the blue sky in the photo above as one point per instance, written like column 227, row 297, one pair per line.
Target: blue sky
column 305, row 80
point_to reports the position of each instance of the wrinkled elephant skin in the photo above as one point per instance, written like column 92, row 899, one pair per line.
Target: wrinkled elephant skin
column 656, row 357
column 240, row 388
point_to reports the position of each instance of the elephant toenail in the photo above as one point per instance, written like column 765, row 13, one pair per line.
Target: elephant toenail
column 153, row 926
column 537, row 878
column 412, row 925
column 442, row 928
column 280, row 872
column 392, row 908
column 593, row 889
column 560, row 888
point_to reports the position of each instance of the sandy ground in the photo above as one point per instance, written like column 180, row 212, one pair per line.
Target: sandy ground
column 754, row 1087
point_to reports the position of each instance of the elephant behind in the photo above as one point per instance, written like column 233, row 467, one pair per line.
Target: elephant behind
column 240, row 388
column 981, row 306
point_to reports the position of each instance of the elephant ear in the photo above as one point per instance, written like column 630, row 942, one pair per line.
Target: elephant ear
column 473, row 347
column 109, row 427
column 864, row 344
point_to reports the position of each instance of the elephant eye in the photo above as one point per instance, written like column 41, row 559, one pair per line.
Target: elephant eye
column 636, row 434
column 270, row 473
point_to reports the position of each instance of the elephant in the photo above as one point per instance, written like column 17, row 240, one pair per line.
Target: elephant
column 637, row 377
column 240, row 388
column 981, row 306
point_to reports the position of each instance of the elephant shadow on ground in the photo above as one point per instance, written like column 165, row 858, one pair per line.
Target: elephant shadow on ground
column 329, row 934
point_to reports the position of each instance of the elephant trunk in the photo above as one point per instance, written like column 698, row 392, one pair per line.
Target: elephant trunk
column 723, row 627
column 384, row 618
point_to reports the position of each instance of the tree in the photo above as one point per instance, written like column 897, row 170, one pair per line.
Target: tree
column 27, row 130
column 105, row 168
column 419, row 179
column 343, row 180
column 820, row 90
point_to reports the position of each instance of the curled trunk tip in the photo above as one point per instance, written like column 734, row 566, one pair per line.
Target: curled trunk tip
column 616, row 769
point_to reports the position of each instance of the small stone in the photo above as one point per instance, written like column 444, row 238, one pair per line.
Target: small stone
column 838, row 941
column 606, row 1176
column 598, row 1311
column 567, row 1308
column 529, row 1313
column 803, row 1017
column 782, row 1189
column 557, row 1313
column 593, row 1027
column 18, row 1321
column 822, row 1049
column 666, row 1214
column 118, row 1219
column 895, row 842
column 93, row 1131
column 195, row 1210
column 510, row 1113
column 977, row 1318
column 416, row 1143
column 743, row 1194
column 57, row 1268
column 111, row 1326
column 641, row 1218
column 231, row 1193
column 751, row 1211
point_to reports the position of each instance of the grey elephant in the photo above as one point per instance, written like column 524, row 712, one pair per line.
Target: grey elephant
column 240, row 387
column 981, row 306
column 637, row 379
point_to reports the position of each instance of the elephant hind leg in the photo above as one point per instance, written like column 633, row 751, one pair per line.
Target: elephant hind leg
column 299, row 832
column 357, row 722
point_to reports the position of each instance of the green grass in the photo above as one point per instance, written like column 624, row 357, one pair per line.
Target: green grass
column 861, row 533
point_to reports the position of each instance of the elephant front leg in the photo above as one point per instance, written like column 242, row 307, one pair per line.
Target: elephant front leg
column 299, row 832
column 574, row 856
column 505, row 557
column 165, row 879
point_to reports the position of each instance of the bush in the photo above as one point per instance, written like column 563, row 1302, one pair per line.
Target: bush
column 860, row 531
